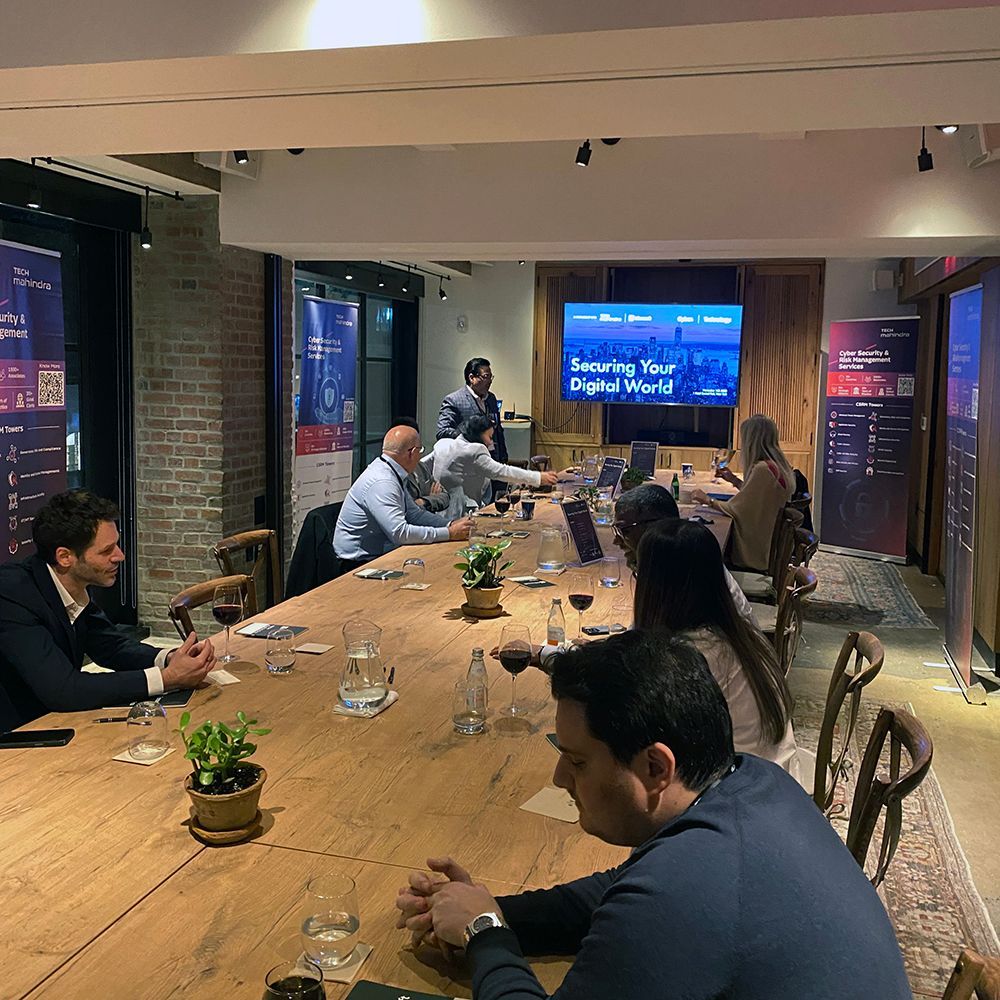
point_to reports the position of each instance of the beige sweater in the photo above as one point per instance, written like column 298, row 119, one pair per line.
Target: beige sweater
column 754, row 511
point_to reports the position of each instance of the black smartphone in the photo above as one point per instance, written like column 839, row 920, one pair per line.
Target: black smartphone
column 596, row 630
column 36, row 738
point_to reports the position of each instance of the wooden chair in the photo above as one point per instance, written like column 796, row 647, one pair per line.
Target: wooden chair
column 975, row 976
column 181, row 605
column 875, row 793
column 868, row 657
column 799, row 584
column 767, row 588
column 264, row 545
column 805, row 546
column 540, row 463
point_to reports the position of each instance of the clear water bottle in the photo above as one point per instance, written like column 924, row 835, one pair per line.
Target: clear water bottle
column 557, row 623
column 471, row 697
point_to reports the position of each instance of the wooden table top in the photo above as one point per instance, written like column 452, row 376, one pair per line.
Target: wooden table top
column 97, row 862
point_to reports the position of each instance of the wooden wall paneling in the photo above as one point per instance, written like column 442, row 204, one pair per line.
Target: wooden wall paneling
column 558, row 422
column 782, row 318
column 986, row 589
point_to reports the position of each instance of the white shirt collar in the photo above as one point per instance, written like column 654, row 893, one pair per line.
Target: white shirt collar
column 73, row 608
column 479, row 401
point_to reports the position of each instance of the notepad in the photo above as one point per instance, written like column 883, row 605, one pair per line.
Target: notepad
column 265, row 630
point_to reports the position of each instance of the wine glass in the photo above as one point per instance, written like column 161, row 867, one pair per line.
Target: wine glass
column 514, row 496
column 515, row 655
column 581, row 595
column 502, row 505
column 227, row 609
column 147, row 728
column 299, row 980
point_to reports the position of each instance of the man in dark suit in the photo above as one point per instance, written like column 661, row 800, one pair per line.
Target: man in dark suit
column 48, row 622
column 472, row 400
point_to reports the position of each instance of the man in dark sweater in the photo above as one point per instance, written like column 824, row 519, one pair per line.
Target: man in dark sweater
column 48, row 622
column 737, row 886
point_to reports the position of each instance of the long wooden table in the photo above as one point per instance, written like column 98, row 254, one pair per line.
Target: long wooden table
column 105, row 892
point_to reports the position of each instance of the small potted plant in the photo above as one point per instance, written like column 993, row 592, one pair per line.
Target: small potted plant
column 224, row 788
column 591, row 495
column 482, row 577
column 632, row 477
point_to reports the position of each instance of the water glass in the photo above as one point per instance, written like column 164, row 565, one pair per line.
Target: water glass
column 331, row 920
column 414, row 571
column 604, row 508
column 469, row 708
column 279, row 653
column 301, row 980
column 146, row 726
column 527, row 509
column 611, row 571
column 589, row 469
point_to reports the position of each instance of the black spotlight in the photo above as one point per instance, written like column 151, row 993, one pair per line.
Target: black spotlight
column 297, row 152
column 612, row 142
column 380, row 280
column 442, row 294
column 406, row 282
column 583, row 154
column 947, row 129
column 146, row 236
column 241, row 156
column 348, row 273
column 925, row 161
column 34, row 195
column 520, row 263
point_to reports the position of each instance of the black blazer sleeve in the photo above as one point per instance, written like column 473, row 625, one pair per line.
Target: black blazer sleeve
column 499, row 441
column 109, row 646
column 29, row 651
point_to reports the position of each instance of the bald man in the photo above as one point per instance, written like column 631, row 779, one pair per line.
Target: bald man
column 378, row 513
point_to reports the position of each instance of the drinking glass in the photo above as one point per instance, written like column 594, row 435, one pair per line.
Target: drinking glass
column 331, row 920
column 589, row 469
column 527, row 510
column 227, row 609
column 502, row 505
column 515, row 655
column 604, row 508
column 301, row 980
column 147, row 731
column 581, row 596
column 469, row 708
column 279, row 652
column 611, row 571
column 414, row 571
column 514, row 496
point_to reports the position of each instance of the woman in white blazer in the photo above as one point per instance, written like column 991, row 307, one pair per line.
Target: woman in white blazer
column 464, row 467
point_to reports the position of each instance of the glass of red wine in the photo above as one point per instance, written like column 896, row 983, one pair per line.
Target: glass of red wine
column 581, row 595
column 301, row 980
column 227, row 609
column 502, row 505
column 515, row 655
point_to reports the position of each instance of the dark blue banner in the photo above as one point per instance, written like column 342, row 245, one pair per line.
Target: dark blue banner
column 32, row 391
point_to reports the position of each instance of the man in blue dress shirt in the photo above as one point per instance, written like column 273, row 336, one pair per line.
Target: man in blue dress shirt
column 379, row 514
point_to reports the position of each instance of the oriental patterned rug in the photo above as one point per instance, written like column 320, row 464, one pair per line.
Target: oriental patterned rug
column 862, row 593
column 928, row 891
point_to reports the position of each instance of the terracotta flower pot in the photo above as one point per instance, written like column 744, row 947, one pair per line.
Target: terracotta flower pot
column 227, row 812
column 483, row 598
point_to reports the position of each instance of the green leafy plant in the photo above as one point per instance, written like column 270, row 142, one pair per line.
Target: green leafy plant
column 590, row 495
column 632, row 477
column 216, row 749
column 480, row 568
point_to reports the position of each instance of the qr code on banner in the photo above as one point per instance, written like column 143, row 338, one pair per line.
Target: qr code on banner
column 51, row 388
column 348, row 411
column 904, row 387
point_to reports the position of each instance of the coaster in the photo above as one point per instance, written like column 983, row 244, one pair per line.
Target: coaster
column 226, row 836
column 125, row 758
column 472, row 612
column 222, row 677
column 555, row 803
column 414, row 586
column 345, row 973
column 390, row 700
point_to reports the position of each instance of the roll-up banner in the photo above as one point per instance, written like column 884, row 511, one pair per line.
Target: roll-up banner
column 32, row 391
column 324, row 436
column 965, row 317
column 865, row 438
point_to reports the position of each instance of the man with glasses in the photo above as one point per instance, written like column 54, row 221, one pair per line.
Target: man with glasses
column 471, row 401
column 644, row 505
column 379, row 514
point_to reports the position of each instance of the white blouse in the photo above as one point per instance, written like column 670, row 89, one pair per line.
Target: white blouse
column 464, row 469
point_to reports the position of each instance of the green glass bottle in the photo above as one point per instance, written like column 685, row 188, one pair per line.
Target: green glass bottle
column 675, row 487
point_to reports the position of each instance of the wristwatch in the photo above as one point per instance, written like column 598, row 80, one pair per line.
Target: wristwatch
column 482, row 923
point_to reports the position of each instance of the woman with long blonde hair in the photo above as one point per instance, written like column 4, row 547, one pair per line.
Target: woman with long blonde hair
column 768, row 485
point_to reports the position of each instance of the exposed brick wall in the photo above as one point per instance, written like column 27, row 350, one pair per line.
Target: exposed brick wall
column 198, row 329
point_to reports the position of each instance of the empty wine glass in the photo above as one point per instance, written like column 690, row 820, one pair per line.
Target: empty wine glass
column 279, row 651
column 581, row 595
column 147, row 731
column 227, row 609
column 515, row 655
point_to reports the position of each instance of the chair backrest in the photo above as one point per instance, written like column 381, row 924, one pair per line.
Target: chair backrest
column 863, row 654
column 805, row 546
column 976, row 976
column 875, row 792
column 264, row 544
column 799, row 584
column 313, row 560
column 783, row 546
column 540, row 463
column 181, row 605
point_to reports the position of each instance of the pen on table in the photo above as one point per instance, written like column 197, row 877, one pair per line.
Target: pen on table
column 392, row 674
column 115, row 718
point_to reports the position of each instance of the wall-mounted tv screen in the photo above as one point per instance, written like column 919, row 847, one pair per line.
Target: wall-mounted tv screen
column 685, row 355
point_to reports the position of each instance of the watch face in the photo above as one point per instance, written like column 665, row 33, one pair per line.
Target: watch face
column 482, row 922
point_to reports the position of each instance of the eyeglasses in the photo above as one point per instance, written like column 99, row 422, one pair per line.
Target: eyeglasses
column 483, row 376
column 619, row 528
